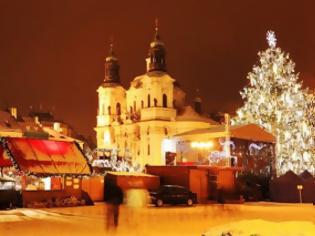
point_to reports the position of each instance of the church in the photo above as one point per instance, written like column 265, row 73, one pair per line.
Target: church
column 141, row 121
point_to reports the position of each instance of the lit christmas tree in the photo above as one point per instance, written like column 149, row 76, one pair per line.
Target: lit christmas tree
column 275, row 100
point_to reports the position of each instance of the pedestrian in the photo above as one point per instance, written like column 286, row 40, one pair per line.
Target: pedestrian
column 113, row 197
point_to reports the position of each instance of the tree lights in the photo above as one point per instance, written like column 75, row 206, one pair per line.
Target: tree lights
column 275, row 100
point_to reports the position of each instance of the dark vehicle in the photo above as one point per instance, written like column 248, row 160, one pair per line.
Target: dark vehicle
column 173, row 194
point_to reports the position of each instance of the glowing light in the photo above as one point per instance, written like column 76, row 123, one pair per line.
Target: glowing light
column 271, row 39
column 107, row 137
column 47, row 183
column 202, row 145
column 275, row 100
column 168, row 145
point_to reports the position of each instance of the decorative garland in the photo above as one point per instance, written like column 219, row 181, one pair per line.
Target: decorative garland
column 5, row 144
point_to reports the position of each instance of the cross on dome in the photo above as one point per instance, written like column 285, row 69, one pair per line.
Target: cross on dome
column 156, row 28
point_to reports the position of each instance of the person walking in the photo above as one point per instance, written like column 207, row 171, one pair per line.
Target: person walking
column 114, row 197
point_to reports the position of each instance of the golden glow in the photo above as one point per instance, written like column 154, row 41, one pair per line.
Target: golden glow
column 107, row 137
column 202, row 145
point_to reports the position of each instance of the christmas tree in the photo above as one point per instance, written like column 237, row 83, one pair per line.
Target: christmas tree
column 275, row 100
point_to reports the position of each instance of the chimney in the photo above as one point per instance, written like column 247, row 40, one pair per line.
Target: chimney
column 197, row 102
column 13, row 112
column 197, row 105
column 36, row 119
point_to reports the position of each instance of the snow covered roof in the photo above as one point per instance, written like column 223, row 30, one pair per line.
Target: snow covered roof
column 45, row 157
column 8, row 122
column 189, row 114
column 249, row 132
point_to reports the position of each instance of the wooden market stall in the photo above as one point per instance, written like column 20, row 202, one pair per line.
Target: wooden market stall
column 46, row 171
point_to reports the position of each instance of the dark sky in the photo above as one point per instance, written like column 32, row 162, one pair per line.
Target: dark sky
column 52, row 52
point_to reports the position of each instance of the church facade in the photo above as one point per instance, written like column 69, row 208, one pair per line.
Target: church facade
column 140, row 121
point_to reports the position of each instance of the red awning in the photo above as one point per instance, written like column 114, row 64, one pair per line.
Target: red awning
column 47, row 157
column 4, row 159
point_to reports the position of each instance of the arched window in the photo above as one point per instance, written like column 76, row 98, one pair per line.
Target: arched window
column 109, row 110
column 142, row 103
column 149, row 100
column 118, row 110
column 155, row 102
column 164, row 100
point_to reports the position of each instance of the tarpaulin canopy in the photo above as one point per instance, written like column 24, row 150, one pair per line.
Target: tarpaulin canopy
column 44, row 157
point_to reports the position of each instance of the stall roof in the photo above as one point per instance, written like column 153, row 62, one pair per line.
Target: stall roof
column 248, row 132
column 44, row 157
column 121, row 173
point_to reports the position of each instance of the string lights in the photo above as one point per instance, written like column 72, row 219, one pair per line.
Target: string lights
column 275, row 100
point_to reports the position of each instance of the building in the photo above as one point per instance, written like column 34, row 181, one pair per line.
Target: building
column 36, row 125
column 248, row 147
column 139, row 121
column 47, row 120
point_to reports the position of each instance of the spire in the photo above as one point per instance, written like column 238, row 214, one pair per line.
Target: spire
column 111, row 54
column 111, row 49
column 111, row 66
column 157, row 36
column 156, row 56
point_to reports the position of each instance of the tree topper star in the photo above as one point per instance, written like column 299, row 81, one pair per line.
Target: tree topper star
column 271, row 38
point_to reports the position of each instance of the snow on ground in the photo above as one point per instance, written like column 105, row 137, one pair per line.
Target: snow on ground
column 264, row 228
column 263, row 219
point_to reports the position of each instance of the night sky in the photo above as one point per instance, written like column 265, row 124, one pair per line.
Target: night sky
column 52, row 52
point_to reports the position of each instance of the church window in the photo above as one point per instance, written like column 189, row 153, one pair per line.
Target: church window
column 155, row 102
column 109, row 110
column 118, row 110
column 149, row 100
column 164, row 100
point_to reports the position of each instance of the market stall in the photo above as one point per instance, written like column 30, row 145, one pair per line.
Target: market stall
column 46, row 171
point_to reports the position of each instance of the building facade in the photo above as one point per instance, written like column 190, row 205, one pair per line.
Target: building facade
column 140, row 121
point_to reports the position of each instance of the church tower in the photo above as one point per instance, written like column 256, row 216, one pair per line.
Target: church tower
column 156, row 56
column 111, row 102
